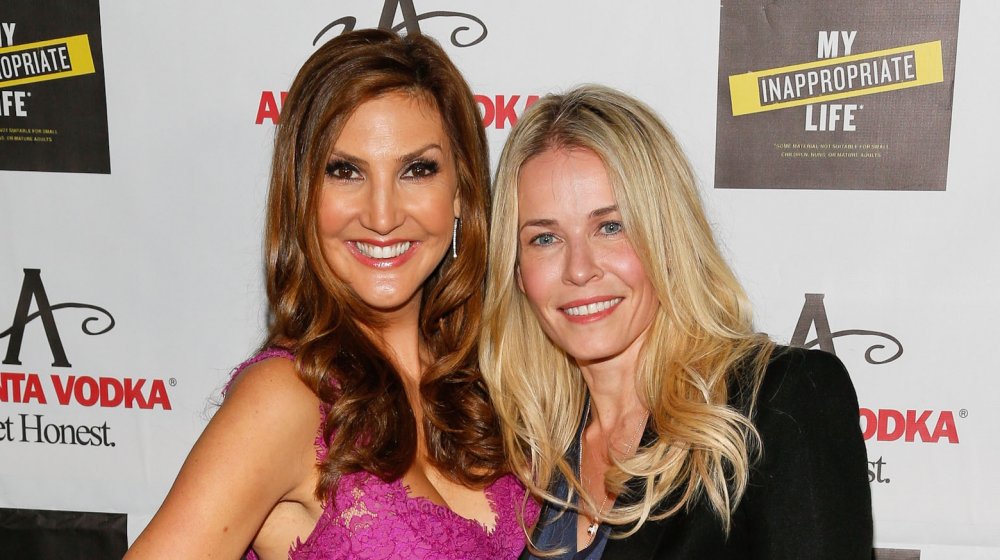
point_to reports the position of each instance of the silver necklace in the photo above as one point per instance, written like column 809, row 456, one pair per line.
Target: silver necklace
column 595, row 521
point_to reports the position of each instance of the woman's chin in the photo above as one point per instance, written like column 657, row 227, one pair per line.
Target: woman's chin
column 391, row 301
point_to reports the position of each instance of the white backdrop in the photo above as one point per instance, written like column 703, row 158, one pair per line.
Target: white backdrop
column 169, row 243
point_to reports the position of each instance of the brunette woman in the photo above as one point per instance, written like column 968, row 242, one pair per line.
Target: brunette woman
column 362, row 429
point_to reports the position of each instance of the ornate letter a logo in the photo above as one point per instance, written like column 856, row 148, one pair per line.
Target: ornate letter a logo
column 411, row 22
column 814, row 313
column 32, row 289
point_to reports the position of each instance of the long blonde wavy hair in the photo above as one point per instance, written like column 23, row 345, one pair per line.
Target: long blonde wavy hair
column 701, row 354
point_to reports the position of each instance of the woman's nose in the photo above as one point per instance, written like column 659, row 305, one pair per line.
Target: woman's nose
column 581, row 265
column 384, row 210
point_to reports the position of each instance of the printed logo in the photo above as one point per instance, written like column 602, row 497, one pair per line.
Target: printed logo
column 29, row 387
column 843, row 77
column 53, row 106
column 269, row 108
column 33, row 290
column 411, row 23
column 925, row 426
column 813, row 315
column 500, row 110
column 497, row 109
column 839, row 94
column 882, row 424
column 41, row 61
column 877, row 474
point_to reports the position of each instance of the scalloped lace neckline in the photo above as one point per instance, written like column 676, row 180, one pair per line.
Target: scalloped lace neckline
column 446, row 511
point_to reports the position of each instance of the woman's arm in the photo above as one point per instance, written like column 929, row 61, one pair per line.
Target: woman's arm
column 256, row 451
column 809, row 495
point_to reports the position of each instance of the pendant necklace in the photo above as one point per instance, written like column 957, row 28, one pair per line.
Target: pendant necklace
column 595, row 521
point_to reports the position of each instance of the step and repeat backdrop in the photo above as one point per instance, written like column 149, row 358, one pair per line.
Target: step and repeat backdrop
column 842, row 147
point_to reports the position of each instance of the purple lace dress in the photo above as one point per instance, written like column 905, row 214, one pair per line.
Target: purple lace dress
column 371, row 519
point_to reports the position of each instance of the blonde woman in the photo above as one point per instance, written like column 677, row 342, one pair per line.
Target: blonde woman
column 636, row 399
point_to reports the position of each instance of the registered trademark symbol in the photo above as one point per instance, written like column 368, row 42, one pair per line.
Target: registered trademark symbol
column 172, row 381
column 963, row 413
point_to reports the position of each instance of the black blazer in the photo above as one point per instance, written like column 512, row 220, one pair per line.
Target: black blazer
column 808, row 495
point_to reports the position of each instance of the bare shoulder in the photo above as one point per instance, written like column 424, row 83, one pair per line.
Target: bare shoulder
column 258, row 450
column 271, row 390
column 268, row 410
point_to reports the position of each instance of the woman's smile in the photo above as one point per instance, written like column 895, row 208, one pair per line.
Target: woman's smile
column 588, row 310
column 383, row 254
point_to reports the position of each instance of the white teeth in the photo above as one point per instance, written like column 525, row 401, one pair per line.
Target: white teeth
column 592, row 308
column 376, row 252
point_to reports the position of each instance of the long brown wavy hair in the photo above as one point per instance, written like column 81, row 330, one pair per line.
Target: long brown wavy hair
column 334, row 335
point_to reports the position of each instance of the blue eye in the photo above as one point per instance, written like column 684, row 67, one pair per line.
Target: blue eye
column 543, row 239
column 611, row 228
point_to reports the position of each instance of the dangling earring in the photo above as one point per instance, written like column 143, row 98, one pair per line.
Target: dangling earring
column 454, row 237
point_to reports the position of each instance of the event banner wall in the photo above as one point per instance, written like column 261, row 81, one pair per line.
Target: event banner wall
column 841, row 148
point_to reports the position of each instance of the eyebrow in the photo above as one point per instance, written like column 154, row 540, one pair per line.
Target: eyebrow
column 402, row 159
column 604, row 211
column 548, row 222
column 346, row 157
column 541, row 222
column 419, row 151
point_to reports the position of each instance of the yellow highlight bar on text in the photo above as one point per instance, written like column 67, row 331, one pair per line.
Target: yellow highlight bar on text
column 746, row 94
column 75, row 48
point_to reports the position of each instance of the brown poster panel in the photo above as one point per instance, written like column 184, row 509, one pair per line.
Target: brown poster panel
column 53, row 105
column 835, row 94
